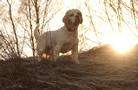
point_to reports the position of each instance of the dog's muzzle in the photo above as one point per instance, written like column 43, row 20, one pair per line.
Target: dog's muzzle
column 77, row 20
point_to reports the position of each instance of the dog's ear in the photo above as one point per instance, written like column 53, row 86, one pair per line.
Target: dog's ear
column 65, row 19
column 81, row 18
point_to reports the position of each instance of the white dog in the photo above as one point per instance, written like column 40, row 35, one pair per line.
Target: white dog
column 61, row 40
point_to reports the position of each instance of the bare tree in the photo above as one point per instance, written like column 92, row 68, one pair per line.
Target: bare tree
column 134, row 12
column 119, row 15
column 117, row 6
column 28, row 13
column 108, row 17
column 13, row 27
column 92, row 23
column 30, row 21
column 7, row 49
column 35, row 14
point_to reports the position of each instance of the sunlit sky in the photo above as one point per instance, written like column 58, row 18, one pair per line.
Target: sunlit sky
column 120, row 42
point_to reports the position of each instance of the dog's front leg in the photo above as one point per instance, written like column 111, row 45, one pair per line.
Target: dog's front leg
column 74, row 54
column 56, row 51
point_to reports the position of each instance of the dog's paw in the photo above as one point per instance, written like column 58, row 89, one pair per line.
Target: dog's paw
column 77, row 61
column 39, row 59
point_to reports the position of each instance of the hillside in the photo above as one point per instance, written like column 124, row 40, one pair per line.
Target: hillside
column 100, row 68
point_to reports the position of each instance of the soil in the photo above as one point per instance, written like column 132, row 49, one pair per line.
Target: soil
column 100, row 68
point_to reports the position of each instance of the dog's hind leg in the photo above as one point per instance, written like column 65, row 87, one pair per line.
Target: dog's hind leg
column 40, row 53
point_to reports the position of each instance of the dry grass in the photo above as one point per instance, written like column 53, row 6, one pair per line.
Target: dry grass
column 99, row 69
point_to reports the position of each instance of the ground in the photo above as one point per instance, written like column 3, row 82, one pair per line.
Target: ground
column 100, row 68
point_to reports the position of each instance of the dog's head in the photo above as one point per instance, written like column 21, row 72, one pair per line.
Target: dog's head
column 72, row 19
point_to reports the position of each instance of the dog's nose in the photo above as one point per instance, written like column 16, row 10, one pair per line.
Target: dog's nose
column 77, row 16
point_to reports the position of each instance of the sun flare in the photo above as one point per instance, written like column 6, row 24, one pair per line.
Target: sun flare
column 122, row 44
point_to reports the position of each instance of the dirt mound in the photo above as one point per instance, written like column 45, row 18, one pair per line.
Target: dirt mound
column 99, row 69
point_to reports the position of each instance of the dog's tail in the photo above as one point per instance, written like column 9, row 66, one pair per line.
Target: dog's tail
column 36, row 34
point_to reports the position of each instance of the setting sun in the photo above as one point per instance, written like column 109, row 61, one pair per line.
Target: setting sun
column 122, row 44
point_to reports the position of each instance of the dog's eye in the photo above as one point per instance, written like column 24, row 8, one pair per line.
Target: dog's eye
column 79, row 13
column 71, row 15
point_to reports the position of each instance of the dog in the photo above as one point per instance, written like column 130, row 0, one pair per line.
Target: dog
column 62, row 40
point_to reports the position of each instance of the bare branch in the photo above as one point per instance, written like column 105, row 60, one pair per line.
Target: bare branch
column 13, row 26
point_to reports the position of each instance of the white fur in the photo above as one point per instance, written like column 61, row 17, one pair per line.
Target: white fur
column 61, row 40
